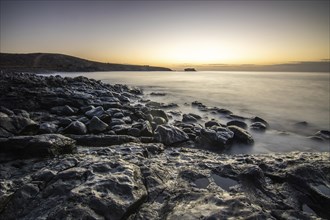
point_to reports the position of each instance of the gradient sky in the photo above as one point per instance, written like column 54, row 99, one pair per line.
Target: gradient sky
column 169, row 33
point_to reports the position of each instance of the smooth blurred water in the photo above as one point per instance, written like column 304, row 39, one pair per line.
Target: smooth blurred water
column 281, row 98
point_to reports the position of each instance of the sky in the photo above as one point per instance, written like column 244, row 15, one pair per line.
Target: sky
column 169, row 33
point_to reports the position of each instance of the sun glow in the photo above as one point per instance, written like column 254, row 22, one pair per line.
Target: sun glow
column 197, row 52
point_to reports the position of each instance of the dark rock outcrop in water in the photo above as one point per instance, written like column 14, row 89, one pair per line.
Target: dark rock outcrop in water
column 190, row 69
column 78, row 148
column 60, row 62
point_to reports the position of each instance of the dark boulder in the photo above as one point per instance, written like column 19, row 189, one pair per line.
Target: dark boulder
column 98, row 111
column 241, row 135
column 217, row 138
column 237, row 123
column 169, row 135
column 95, row 125
column 145, row 128
column 62, row 110
column 159, row 113
column 211, row 123
column 75, row 127
column 116, row 121
column 258, row 126
column 118, row 115
column 107, row 105
column 64, row 122
column 135, row 132
column 187, row 118
column 19, row 125
column 258, row 119
column 120, row 129
column 85, row 109
column 48, row 128
column 224, row 111
column 159, row 120
column 158, row 94
column 112, row 111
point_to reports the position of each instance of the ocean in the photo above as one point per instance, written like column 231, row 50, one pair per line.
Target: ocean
column 283, row 99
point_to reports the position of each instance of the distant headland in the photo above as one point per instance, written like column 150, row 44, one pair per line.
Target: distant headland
column 36, row 62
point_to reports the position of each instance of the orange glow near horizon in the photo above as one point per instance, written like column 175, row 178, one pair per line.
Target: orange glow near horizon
column 169, row 33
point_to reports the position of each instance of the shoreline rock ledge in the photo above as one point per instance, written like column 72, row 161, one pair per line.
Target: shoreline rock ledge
column 77, row 148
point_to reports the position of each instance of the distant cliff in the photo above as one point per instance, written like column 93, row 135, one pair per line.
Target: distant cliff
column 60, row 62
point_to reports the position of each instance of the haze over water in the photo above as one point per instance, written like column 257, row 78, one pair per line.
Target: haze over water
column 283, row 99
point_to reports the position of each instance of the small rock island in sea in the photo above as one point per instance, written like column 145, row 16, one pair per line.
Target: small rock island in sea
column 78, row 148
column 190, row 70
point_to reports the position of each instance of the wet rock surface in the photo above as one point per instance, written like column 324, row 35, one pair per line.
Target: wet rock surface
column 77, row 148
column 144, row 181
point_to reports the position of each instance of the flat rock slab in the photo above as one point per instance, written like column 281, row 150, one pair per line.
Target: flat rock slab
column 103, row 140
column 37, row 145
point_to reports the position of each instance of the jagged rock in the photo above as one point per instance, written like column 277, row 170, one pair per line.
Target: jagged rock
column 95, row 125
column 237, row 123
column 241, row 135
column 169, row 135
column 98, row 111
column 218, row 138
column 37, row 145
column 100, row 188
column 75, row 127
column 148, row 181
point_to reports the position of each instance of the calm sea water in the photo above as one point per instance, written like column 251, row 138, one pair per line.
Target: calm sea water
column 283, row 99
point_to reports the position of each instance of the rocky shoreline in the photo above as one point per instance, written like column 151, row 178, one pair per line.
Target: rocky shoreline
column 80, row 148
